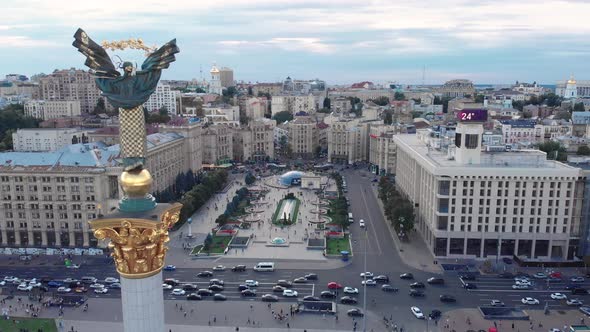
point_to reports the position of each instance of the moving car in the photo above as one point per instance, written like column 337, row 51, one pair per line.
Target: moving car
column 216, row 288
column 558, row 296
column 115, row 285
column 417, row 312
column 369, row 282
column 54, row 283
column 434, row 314
column 327, row 294
column 529, row 300
column 248, row 293
column 219, row 268
column 381, row 278
column 496, row 303
column 190, row 287
column 506, row 275
column 82, row 289
column 579, row 291
column 367, row 274
column 96, row 286
column 348, row 300
column 577, row 279
column 178, row 291
column 205, row 292
column 351, row 290
column 64, row 290
column 417, row 285
column 219, row 297
column 89, row 280
column 416, row 293
column 278, row 289
column 169, row 268
column 289, row 293
column 389, row 288
column 251, row 283
column 101, row 290
column 216, row 282
column 362, row 223
column 243, row 287
column 311, row 276
column 408, row 276
column 467, row 276
column 110, row 280
column 194, row 297
column 470, row 286
column 166, row 286
column 574, row 302
column 239, row 268
column 435, row 281
column 270, row 298
column 540, row 275
column 447, row 298
column 171, row 281
column 355, row 312
column 520, row 286
column 334, row 285
column 205, row 274
column 300, row 280
column 285, row 283
column 311, row 298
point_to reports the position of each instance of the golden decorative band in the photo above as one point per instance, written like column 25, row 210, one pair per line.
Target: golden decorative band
column 136, row 44
column 138, row 246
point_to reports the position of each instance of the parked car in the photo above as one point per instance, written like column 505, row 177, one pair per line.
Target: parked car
column 111, row 280
column 470, row 286
column 540, row 275
column 506, row 275
column 81, row 289
column 96, row 286
column 64, row 290
column 507, row 260
column 577, row 279
column 115, row 285
column 435, row 314
column 55, row 283
column 24, row 287
column 468, row 276
column 408, row 276
column 574, row 302
column 447, row 298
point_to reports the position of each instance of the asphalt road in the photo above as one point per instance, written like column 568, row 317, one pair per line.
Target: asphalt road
column 381, row 258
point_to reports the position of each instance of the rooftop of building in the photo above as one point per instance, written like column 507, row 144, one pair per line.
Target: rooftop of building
column 520, row 123
column 437, row 155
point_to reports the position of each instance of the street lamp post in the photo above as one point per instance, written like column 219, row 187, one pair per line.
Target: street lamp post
column 365, row 287
column 190, row 233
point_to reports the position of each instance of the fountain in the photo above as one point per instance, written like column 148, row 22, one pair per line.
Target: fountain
column 278, row 240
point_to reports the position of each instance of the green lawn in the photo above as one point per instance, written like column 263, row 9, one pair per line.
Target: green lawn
column 30, row 324
column 219, row 244
column 335, row 246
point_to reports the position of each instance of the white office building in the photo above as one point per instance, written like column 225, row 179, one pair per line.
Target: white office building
column 470, row 203
column 52, row 109
column 47, row 139
column 164, row 96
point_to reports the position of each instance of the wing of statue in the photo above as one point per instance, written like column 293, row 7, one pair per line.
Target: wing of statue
column 97, row 58
column 161, row 58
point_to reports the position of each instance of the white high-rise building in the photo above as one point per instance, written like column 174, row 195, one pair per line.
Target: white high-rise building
column 215, row 84
column 471, row 203
column 163, row 96
column 47, row 139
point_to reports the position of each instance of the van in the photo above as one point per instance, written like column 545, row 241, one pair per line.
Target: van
column 350, row 218
column 265, row 267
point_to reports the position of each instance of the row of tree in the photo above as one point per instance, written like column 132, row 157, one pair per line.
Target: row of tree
column 398, row 209
column 233, row 207
column 183, row 183
column 200, row 194
column 12, row 117
column 338, row 209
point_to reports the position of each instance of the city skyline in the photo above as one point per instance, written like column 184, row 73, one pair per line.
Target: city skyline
column 344, row 42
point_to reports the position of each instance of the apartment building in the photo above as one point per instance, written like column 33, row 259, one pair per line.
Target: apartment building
column 71, row 84
column 293, row 104
column 52, row 109
column 303, row 136
column 47, row 139
column 382, row 149
column 217, row 144
column 163, row 97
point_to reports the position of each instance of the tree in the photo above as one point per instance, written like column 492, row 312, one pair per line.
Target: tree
column 100, row 107
column 437, row 100
column 527, row 114
column 163, row 111
column 12, row 117
column 249, row 179
column 388, row 119
column 399, row 96
column 417, row 100
column 208, row 242
column 583, row 150
column 281, row 117
column 554, row 150
column 479, row 98
column 565, row 115
column 327, row 103
column 200, row 90
column 579, row 107
column 518, row 104
column 381, row 101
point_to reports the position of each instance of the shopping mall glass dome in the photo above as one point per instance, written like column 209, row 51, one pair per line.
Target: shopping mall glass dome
column 291, row 178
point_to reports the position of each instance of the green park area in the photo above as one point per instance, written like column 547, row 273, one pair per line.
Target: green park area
column 212, row 245
column 334, row 245
column 18, row 324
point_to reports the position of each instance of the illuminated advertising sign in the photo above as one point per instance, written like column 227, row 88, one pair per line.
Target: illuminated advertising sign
column 472, row 115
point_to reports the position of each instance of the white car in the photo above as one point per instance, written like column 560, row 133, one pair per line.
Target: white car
column 96, row 286
column 111, row 280
column 24, row 287
column 554, row 330
column 521, row 279
column 10, row 279
column 64, row 290
column 574, row 302
column 219, row 268
column 351, row 290
column 361, row 223
column 577, row 279
column 529, row 300
column 178, row 291
column 521, row 286
column 289, row 293
column 34, row 284
column 369, row 282
column 101, row 290
column 367, row 274
column 524, row 282
column 73, row 266
column 417, row 312
column 540, row 275
column 497, row 303
column 251, row 283
column 558, row 296
column 2, row 283
column 70, row 280
column 166, row 286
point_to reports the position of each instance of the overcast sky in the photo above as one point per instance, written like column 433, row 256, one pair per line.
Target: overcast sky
column 344, row 41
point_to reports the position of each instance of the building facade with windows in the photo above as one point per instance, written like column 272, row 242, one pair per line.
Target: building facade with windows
column 303, row 136
column 163, row 97
column 475, row 204
column 47, row 139
column 382, row 149
column 71, row 84
column 52, row 109
column 226, row 76
column 293, row 104
column 217, row 140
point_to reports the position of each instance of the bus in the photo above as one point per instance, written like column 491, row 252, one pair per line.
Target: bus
column 265, row 267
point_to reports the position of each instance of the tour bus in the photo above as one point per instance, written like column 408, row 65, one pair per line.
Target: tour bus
column 265, row 267
column 350, row 218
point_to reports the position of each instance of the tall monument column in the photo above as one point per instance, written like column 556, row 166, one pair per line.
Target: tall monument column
column 138, row 229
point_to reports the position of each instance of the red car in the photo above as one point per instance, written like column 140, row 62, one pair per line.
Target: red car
column 556, row 275
column 334, row 285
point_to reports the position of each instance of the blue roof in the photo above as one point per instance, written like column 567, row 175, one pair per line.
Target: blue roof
column 519, row 123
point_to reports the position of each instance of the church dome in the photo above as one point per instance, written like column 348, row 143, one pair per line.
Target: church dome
column 571, row 80
column 214, row 69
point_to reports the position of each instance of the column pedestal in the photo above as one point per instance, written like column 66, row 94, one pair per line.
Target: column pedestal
column 143, row 304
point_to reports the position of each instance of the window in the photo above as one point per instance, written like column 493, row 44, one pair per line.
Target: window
column 471, row 141
column 458, row 140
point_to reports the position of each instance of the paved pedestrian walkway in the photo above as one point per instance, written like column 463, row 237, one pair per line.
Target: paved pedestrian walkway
column 413, row 252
